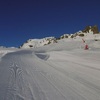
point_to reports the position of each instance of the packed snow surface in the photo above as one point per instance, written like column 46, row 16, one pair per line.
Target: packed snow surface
column 60, row 71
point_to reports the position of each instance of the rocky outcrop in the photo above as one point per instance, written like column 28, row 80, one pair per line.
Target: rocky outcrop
column 94, row 29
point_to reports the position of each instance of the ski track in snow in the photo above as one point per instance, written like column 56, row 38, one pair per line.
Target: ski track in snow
column 26, row 75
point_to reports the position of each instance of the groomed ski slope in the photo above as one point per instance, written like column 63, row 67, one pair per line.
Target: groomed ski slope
column 62, row 71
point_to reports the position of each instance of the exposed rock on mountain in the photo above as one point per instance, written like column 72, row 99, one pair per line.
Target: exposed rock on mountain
column 91, row 28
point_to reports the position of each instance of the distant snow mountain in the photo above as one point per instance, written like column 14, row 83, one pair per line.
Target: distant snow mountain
column 34, row 43
column 90, row 32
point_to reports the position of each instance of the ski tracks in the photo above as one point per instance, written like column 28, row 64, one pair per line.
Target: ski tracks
column 22, row 84
column 15, row 86
column 16, row 89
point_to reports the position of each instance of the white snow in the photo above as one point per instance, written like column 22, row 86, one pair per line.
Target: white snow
column 60, row 71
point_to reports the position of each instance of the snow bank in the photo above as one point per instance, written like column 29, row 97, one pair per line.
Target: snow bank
column 4, row 51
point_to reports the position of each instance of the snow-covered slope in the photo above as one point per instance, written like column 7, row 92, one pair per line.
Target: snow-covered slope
column 60, row 71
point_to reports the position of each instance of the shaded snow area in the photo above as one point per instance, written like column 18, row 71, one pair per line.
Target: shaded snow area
column 60, row 71
column 4, row 51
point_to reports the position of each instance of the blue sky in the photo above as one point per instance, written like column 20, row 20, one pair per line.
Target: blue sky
column 24, row 19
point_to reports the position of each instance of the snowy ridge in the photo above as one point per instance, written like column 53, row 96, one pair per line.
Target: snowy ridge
column 78, row 36
column 34, row 43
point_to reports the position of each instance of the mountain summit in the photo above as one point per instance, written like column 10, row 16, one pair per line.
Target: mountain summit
column 92, row 28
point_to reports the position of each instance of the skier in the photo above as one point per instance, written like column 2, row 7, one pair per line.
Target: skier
column 86, row 47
